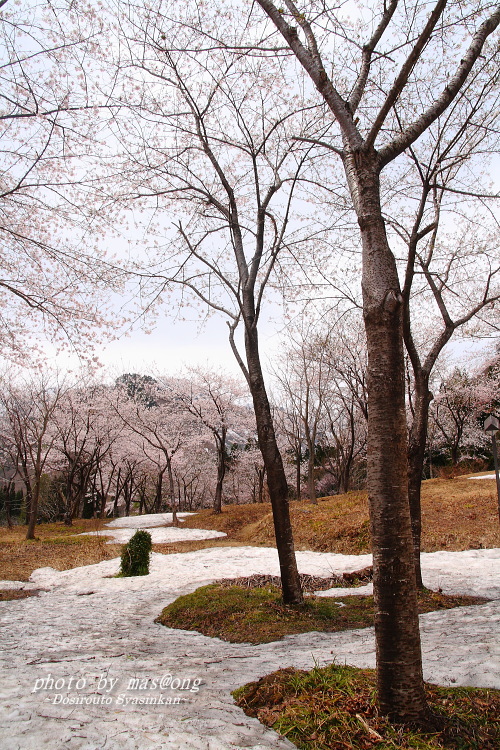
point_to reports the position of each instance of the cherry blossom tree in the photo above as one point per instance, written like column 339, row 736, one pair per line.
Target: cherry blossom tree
column 160, row 427
column 54, row 278
column 325, row 400
column 215, row 400
column 305, row 380
column 378, row 79
column 28, row 405
column 441, row 214
column 289, row 426
column 86, row 432
column 209, row 145
column 249, row 472
column 464, row 396
column 194, row 473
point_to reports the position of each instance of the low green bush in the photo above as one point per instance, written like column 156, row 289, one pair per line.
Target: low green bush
column 135, row 555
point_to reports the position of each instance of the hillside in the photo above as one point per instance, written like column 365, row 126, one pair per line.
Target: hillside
column 457, row 514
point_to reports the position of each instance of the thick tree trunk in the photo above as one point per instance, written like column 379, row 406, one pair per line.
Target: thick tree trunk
column 276, row 478
column 399, row 662
column 416, row 456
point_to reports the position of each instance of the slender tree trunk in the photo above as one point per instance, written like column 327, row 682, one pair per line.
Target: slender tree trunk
column 117, row 493
column 8, row 498
column 262, row 475
column 159, row 493
column 298, row 456
column 171, row 487
column 311, row 485
column 68, row 514
column 128, row 494
column 399, row 662
column 29, row 491
column 33, row 511
column 276, row 478
column 221, row 470
column 345, row 472
column 416, row 456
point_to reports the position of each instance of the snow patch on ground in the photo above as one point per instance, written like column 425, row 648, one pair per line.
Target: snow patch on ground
column 158, row 535
column 146, row 521
column 123, row 529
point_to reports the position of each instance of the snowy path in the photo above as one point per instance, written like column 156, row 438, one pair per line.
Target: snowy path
column 89, row 629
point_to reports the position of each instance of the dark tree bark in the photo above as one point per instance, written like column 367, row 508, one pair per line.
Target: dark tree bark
column 399, row 664
column 273, row 462
column 416, row 456
column 311, row 484
column 8, row 492
column 159, row 491
column 171, row 487
column 399, row 674
column 221, row 468
column 298, row 457
column 34, row 497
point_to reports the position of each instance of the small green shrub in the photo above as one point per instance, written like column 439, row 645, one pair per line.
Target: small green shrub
column 135, row 555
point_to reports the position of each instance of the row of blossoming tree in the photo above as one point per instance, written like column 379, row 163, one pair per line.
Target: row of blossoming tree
column 149, row 444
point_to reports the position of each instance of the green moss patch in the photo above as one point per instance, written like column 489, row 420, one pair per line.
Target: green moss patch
column 258, row 615
column 334, row 708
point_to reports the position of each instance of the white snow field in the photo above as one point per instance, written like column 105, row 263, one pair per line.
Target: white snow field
column 147, row 521
column 84, row 666
column 122, row 529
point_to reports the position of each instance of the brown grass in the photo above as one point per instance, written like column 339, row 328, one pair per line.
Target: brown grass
column 459, row 514
column 56, row 546
column 9, row 595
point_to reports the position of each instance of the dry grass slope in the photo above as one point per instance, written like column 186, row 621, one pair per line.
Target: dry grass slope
column 457, row 514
